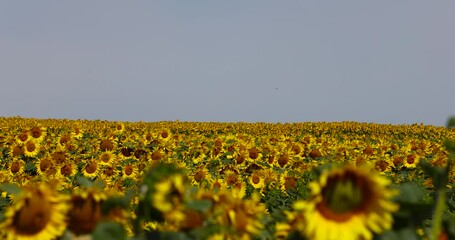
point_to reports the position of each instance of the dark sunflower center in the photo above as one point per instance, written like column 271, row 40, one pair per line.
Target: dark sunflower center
column 31, row 147
column 109, row 171
column 85, row 214
column 17, row 150
column 253, row 153
column 23, row 137
column 91, row 168
column 66, row 170
column 36, row 132
column 255, row 179
column 240, row 159
column 44, row 164
column 199, row 176
column 34, row 215
column 410, row 159
column 283, row 160
column 344, row 196
column 156, row 155
column 128, row 169
column 15, row 167
column 290, row 183
column 106, row 145
column 105, row 158
column 164, row 134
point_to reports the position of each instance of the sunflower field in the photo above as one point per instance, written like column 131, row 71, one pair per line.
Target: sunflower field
column 81, row 179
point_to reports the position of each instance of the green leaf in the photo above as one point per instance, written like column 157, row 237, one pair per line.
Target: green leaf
column 10, row 188
column 438, row 175
column 410, row 193
column 451, row 122
column 109, row 230
column 199, row 205
column 84, row 182
column 406, row 233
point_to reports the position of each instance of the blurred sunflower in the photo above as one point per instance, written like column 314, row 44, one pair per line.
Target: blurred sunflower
column 200, row 175
column 348, row 203
column 85, row 212
column 38, row 212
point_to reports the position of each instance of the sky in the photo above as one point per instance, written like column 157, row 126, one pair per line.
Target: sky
column 229, row 61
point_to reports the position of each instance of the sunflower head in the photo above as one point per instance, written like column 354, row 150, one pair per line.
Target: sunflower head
column 38, row 212
column 85, row 211
column 348, row 203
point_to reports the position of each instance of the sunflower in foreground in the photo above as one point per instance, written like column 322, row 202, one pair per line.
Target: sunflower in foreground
column 38, row 212
column 347, row 203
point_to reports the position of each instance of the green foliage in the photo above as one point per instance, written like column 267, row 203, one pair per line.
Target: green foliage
column 109, row 230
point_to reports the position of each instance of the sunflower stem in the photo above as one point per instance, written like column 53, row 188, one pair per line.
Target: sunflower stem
column 439, row 211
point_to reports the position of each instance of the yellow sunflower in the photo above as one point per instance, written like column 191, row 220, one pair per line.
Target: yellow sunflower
column 130, row 171
column 91, row 170
column 200, row 176
column 37, row 133
column 68, row 169
column 106, row 158
column 38, row 212
column 32, row 148
column 22, row 137
column 256, row 179
column 348, row 203
column 44, row 165
column 16, row 167
column 164, row 135
column 169, row 194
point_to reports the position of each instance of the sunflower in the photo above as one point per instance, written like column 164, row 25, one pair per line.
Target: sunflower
column 130, row 171
column 85, row 211
column 347, row 203
column 44, row 166
column 38, row 212
column 169, row 194
column 16, row 167
column 218, row 184
column 37, row 133
column 119, row 128
column 68, row 169
column 164, row 135
column 200, row 176
column 16, row 150
column 288, row 181
column 106, row 158
column 256, row 180
column 91, row 169
column 22, row 137
column 32, row 148
column 244, row 216
column 411, row 161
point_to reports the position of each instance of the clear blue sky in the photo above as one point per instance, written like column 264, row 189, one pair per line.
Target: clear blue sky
column 229, row 61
